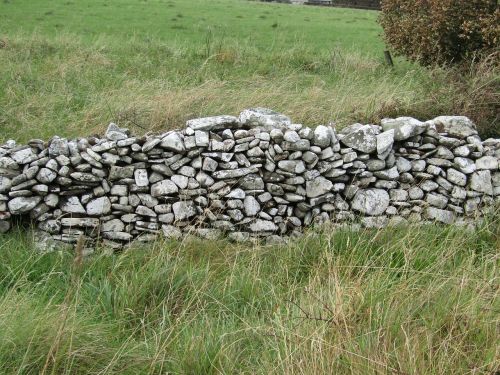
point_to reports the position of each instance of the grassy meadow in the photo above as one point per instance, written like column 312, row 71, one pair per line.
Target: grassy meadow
column 397, row 301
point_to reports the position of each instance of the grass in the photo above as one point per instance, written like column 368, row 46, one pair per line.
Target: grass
column 395, row 301
column 69, row 68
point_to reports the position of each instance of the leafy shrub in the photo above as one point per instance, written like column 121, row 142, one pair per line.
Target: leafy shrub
column 441, row 31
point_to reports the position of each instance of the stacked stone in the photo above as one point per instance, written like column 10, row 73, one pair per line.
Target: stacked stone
column 258, row 175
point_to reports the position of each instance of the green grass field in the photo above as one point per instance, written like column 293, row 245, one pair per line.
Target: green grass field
column 397, row 301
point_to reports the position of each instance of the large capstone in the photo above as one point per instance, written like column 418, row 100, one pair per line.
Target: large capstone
column 404, row 127
column 371, row 202
column 213, row 123
column 318, row 186
column 363, row 139
column 264, row 118
column 456, row 126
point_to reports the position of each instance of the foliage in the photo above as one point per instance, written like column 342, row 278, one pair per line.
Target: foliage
column 441, row 31
column 403, row 300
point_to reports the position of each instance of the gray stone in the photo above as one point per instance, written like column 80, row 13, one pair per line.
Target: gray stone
column 363, row 139
column 260, row 225
column 24, row 156
column 162, row 188
column 58, row 146
column 372, row 202
column 388, row 174
column 264, row 118
column 5, row 184
column 464, row 165
column 436, row 214
column 141, row 177
column 173, row 142
column 318, row 186
column 99, row 206
column 291, row 136
column 23, row 205
column 292, row 166
column 322, row 136
column 214, row 123
column 72, row 205
column 85, row 222
column 251, row 206
column 456, row 126
column 385, row 141
column 184, row 210
column 115, row 133
column 436, row 200
column 119, row 173
column 481, row 182
column 487, row 162
column 456, row 177
column 404, row 127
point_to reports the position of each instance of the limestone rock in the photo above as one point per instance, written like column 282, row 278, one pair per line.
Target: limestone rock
column 372, row 202
column 363, row 139
column 404, row 127
column 456, row 126
column 21, row 205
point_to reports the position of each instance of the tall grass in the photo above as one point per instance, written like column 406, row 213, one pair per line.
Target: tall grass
column 399, row 301
column 63, row 86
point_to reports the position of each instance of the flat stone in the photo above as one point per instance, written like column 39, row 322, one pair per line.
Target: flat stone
column 292, row 166
column 115, row 133
column 456, row 177
column 83, row 177
column 5, row 184
column 23, row 205
column 456, row 126
column 24, row 156
column 234, row 173
column 264, row 118
column 214, row 123
column 260, row 225
column 72, row 205
column 99, row 206
column 481, row 182
column 85, row 222
column 372, row 202
column 171, row 232
column 404, row 127
column 318, row 186
column 164, row 187
column 388, row 174
column 363, row 139
column 184, row 210
column 173, row 142
column 436, row 214
column 487, row 162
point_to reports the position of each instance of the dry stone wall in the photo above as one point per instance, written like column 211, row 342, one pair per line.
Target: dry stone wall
column 256, row 175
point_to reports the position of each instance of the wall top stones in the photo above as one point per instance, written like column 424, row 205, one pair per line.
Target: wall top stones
column 255, row 175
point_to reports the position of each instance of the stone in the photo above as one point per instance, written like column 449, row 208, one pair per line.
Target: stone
column 464, row 165
column 24, row 156
column 456, row 177
column 372, row 202
column 264, row 118
column 115, row 133
column 141, row 177
column 456, row 126
column 214, row 123
column 260, row 225
column 291, row 136
column 119, row 173
column 404, row 127
column 234, row 173
column 72, row 205
column 481, row 182
column 85, row 222
column 201, row 138
column 363, row 139
column 385, row 141
column 184, row 210
column 292, row 166
column 322, row 136
column 251, row 206
column 5, row 184
column 436, row 200
column 442, row 216
column 318, row 186
column 180, row 180
column 487, row 162
column 22, row 205
column 46, row 176
column 164, row 187
column 99, row 206
column 58, row 146
column 173, row 142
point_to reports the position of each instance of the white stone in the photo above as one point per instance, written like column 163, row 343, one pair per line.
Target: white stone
column 99, row 206
column 264, row 118
column 259, row 225
column 171, row 232
column 363, row 139
column 322, row 136
column 404, row 127
column 487, row 162
column 184, row 210
column 72, row 205
column 213, row 123
column 481, row 182
column 173, row 142
column 141, row 177
column 456, row 126
column 251, row 206
column 180, row 180
column 385, row 141
column 21, row 205
column 165, row 187
column 443, row 216
column 318, row 186
column 372, row 202
column 456, row 177
column 5, row 184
